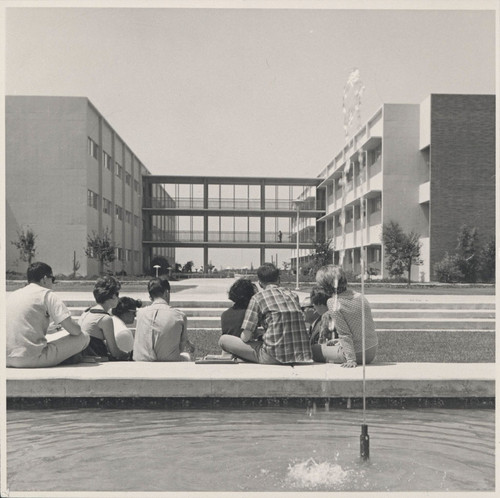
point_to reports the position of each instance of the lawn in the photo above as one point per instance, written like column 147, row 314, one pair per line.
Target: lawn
column 402, row 347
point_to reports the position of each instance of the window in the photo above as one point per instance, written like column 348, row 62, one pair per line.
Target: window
column 119, row 212
column 128, row 178
column 92, row 199
column 136, row 220
column 128, row 254
column 128, row 216
column 376, row 205
column 106, row 206
column 118, row 170
column 119, row 253
column 106, row 160
column 136, row 186
column 92, row 148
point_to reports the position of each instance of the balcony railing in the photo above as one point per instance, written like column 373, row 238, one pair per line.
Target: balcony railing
column 230, row 236
column 236, row 204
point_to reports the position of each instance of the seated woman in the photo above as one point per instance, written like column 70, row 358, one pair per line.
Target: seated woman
column 98, row 323
column 345, row 309
column 316, row 307
column 124, row 315
column 240, row 293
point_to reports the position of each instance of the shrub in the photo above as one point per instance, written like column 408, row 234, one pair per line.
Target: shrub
column 448, row 269
column 487, row 262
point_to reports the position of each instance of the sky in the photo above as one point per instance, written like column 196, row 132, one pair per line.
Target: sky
column 244, row 91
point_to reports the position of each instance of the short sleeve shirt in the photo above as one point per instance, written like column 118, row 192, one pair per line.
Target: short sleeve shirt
column 158, row 332
column 278, row 311
column 29, row 313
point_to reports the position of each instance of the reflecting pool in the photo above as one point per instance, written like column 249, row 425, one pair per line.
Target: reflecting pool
column 256, row 449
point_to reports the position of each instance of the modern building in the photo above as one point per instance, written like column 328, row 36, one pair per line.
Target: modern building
column 213, row 212
column 69, row 175
column 429, row 167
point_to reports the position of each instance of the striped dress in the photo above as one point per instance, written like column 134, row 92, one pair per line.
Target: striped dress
column 346, row 315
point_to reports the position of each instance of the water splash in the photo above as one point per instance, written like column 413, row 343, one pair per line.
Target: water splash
column 310, row 474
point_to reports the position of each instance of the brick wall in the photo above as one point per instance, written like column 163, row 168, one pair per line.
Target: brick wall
column 462, row 169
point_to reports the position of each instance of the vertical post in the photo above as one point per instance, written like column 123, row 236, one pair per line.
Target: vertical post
column 298, row 247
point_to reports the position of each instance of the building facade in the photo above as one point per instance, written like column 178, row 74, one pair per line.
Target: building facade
column 429, row 167
column 69, row 175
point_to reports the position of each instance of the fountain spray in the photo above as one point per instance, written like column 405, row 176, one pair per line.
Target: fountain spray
column 364, row 438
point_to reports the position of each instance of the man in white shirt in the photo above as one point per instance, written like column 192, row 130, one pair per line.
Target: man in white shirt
column 29, row 313
column 161, row 332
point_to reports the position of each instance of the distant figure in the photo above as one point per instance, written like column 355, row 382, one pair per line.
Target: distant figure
column 98, row 323
column 124, row 315
column 29, row 312
column 240, row 293
column 161, row 332
column 345, row 313
column 277, row 310
column 280, row 236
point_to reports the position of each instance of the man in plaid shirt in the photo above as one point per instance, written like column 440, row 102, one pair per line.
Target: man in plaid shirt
column 277, row 311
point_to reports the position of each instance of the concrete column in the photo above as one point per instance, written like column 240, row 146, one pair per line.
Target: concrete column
column 205, row 225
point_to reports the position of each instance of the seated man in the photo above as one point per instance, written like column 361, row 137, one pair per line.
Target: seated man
column 277, row 310
column 29, row 313
column 161, row 332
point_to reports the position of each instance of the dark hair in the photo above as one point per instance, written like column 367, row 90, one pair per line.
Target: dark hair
column 332, row 278
column 106, row 288
column 126, row 304
column 36, row 271
column 319, row 295
column 268, row 273
column 241, row 292
column 157, row 286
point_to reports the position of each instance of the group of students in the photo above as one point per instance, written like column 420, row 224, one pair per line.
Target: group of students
column 269, row 325
column 102, row 331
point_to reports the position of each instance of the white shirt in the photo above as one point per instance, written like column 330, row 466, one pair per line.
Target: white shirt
column 29, row 312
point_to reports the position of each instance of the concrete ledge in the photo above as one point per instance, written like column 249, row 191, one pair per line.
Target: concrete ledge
column 243, row 380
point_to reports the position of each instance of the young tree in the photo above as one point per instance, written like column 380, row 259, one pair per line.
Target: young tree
column 322, row 255
column 467, row 252
column 100, row 247
column 25, row 243
column 402, row 249
column 487, row 262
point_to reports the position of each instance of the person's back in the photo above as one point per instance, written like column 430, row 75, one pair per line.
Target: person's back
column 29, row 313
column 158, row 333
column 161, row 331
column 240, row 293
column 27, row 320
column 278, row 311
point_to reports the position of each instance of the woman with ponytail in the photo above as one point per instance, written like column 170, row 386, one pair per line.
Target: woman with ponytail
column 345, row 313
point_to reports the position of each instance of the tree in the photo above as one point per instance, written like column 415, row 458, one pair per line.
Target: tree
column 188, row 267
column 402, row 249
column 322, row 255
column 448, row 269
column 486, row 266
column 25, row 243
column 100, row 247
column 467, row 252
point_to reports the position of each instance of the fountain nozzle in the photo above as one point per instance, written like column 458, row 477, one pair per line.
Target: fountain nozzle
column 364, row 440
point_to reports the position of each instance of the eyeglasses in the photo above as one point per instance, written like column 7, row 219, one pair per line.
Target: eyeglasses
column 51, row 277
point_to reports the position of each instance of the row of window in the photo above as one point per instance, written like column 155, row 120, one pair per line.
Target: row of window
column 107, row 162
column 126, row 254
column 107, row 208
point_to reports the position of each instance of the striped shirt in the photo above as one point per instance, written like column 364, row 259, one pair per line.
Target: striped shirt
column 346, row 315
column 278, row 311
